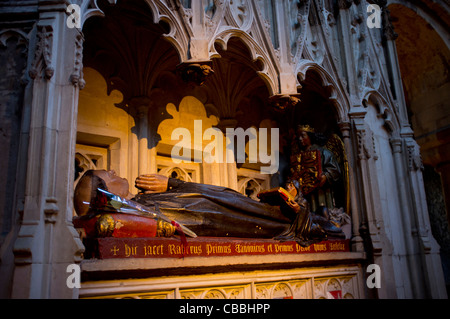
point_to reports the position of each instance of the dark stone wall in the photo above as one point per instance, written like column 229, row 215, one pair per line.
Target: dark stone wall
column 13, row 54
column 438, row 217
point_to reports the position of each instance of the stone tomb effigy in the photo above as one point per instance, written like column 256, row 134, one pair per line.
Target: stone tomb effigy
column 130, row 255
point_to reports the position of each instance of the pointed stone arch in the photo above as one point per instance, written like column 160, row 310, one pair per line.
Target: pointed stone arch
column 438, row 17
column 161, row 14
column 336, row 92
column 391, row 122
column 268, row 68
column 120, row 43
column 236, row 89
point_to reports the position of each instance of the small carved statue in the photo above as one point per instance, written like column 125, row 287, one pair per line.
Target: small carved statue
column 314, row 166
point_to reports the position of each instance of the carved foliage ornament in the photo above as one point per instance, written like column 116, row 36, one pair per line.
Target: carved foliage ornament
column 366, row 145
column 414, row 158
column 77, row 75
column 42, row 55
column 299, row 13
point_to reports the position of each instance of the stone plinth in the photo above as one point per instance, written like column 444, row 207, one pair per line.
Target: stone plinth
column 221, row 268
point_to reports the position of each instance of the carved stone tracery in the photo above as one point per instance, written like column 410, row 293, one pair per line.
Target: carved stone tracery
column 132, row 69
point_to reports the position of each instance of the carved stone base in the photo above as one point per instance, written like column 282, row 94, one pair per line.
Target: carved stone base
column 251, row 275
column 341, row 282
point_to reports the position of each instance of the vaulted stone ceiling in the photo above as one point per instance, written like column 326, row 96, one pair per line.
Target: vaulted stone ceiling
column 128, row 49
column 239, row 95
column 130, row 52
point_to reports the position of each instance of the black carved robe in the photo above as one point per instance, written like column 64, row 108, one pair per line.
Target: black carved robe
column 210, row 210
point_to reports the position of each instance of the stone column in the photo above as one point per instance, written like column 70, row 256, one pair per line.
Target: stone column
column 228, row 175
column 350, row 69
column 287, row 77
column 434, row 285
column 425, row 272
column 198, row 49
column 407, row 223
column 352, row 207
column 140, row 107
column 373, row 234
column 47, row 242
column 397, row 88
column 368, row 181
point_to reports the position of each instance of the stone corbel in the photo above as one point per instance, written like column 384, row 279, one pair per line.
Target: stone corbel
column 43, row 54
column 283, row 102
column 195, row 72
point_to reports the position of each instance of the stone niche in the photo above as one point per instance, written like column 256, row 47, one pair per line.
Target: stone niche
column 128, row 111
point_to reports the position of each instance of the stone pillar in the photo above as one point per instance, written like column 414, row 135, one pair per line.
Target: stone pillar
column 350, row 69
column 287, row 78
column 373, row 234
column 228, row 171
column 433, row 276
column 140, row 107
column 369, row 183
column 47, row 242
column 352, row 207
column 198, row 49
column 408, row 244
column 396, row 84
